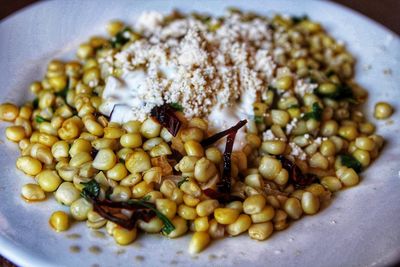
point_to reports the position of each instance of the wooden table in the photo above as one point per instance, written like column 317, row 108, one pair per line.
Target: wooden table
column 383, row 11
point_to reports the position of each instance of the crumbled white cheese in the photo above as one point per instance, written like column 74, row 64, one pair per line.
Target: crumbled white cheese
column 297, row 152
column 302, row 87
column 319, row 140
column 291, row 126
column 149, row 21
column 268, row 135
column 184, row 62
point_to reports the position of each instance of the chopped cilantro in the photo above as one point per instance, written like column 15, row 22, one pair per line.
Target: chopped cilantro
column 35, row 103
column 343, row 91
column 298, row 19
column 168, row 226
column 270, row 87
column 258, row 119
column 176, row 106
column 351, row 162
column 294, row 106
column 185, row 179
column 330, row 73
column 120, row 38
column 91, row 190
column 40, row 119
column 315, row 113
column 146, row 198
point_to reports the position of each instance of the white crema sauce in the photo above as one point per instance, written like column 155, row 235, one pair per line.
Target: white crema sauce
column 123, row 96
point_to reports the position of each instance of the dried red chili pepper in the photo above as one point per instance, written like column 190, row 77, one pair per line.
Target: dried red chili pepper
column 214, row 138
column 224, row 186
column 296, row 176
column 165, row 115
column 221, row 197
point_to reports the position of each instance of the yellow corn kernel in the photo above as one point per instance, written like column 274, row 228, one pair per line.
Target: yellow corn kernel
column 254, row 204
column 186, row 212
column 265, row 215
column 242, row 224
column 131, row 140
column 293, row 208
column 194, row 148
column 331, row 183
column 59, row 220
column 139, row 161
column 155, row 225
column 348, row 132
column 15, row 133
column 310, row 203
column 29, row 165
column 199, row 242
column 166, row 207
column 80, row 208
column 105, row 160
column 365, row 143
column 118, row 172
column 124, row 236
column 269, row 167
column 48, row 180
column 141, row 189
column 204, row 169
column 201, row 224
column 261, row 231
column 348, row 176
column 32, row 192
column 150, row 128
column 226, row 215
column 206, row 207
column 80, row 159
column 114, row 27
column 180, row 225
column 383, row 110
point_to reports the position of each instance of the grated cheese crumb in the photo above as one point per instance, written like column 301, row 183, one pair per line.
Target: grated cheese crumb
column 297, row 152
column 291, row 125
column 302, row 87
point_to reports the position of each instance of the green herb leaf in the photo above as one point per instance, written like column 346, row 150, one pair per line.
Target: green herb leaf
column 146, row 198
column 351, row 162
column 40, row 119
column 298, row 19
column 168, row 226
column 120, row 38
column 91, row 190
column 294, row 106
column 185, row 179
column 35, row 103
column 343, row 91
column 315, row 113
column 258, row 119
column 270, row 87
column 176, row 106
column 330, row 73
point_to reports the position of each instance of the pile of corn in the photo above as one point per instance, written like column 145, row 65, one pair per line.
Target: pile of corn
column 65, row 142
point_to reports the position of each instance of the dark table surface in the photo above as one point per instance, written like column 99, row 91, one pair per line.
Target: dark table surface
column 383, row 11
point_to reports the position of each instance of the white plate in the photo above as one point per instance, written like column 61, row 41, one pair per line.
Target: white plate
column 359, row 228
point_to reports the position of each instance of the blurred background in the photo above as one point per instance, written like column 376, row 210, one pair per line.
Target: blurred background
column 383, row 11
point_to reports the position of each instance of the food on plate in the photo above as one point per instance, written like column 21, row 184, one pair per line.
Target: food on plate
column 383, row 110
column 192, row 123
